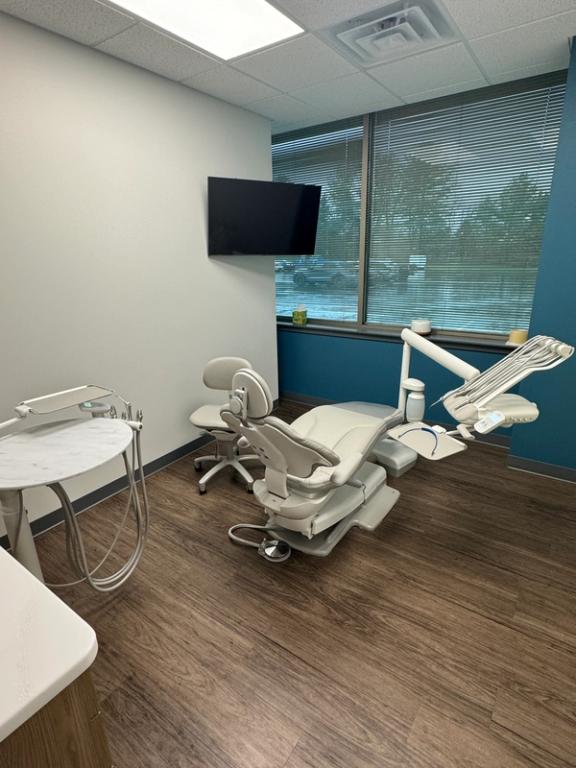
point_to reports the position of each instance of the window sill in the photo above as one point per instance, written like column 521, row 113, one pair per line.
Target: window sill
column 470, row 342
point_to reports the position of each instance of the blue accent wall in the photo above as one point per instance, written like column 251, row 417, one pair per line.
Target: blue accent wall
column 340, row 368
column 552, row 439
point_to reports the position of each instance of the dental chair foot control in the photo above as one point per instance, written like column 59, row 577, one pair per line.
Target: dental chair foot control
column 274, row 550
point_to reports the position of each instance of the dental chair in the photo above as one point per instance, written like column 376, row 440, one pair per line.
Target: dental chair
column 318, row 483
column 218, row 375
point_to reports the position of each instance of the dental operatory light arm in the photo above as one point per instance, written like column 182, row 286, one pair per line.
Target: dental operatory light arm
column 481, row 404
column 441, row 356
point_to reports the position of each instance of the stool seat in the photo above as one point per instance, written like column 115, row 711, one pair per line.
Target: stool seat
column 208, row 417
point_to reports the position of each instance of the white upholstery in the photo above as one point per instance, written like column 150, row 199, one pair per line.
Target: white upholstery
column 208, row 417
column 307, row 461
column 220, row 371
column 218, row 374
column 343, row 431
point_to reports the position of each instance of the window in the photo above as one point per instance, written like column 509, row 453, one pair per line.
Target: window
column 455, row 202
column 456, row 210
column 327, row 283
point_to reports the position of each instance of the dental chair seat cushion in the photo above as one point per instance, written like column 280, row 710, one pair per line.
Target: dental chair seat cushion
column 345, row 436
column 344, row 432
column 393, row 415
column 208, row 417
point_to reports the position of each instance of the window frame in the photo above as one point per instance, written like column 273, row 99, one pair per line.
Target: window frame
column 360, row 327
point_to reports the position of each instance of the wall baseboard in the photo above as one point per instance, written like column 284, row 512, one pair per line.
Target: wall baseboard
column 542, row 468
column 52, row 519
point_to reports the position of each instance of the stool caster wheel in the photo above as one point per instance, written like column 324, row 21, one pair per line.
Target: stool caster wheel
column 201, row 490
column 249, row 488
column 197, row 465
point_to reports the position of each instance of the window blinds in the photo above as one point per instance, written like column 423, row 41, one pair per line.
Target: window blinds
column 456, row 211
column 326, row 283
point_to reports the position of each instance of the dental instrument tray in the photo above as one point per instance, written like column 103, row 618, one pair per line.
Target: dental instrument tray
column 429, row 442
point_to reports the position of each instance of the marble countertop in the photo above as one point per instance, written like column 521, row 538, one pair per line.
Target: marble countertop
column 44, row 645
column 51, row 453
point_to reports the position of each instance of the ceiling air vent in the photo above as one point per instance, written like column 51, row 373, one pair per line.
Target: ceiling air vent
column 398, row 29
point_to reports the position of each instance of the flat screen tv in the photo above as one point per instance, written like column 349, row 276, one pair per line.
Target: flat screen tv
column 261, row 217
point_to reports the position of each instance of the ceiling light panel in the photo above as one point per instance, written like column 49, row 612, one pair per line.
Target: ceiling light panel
column 225, row 28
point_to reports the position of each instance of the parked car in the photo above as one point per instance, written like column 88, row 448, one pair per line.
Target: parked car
column 312, row 272
column 383, row 272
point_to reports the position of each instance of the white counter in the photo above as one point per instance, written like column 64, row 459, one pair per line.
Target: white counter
column 44, row 645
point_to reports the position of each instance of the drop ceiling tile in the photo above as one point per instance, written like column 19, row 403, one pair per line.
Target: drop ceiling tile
column 428, row 71
column 85, row 21
column 543, row 42
column 446, row 90
column 228, row 84
column 317, row 14
column 477, row 19
column 286, row 109
column 148, row 48
column 352, row 93
column 294, row 64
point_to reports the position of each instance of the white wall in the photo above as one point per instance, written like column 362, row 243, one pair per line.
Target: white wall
column 104, row 273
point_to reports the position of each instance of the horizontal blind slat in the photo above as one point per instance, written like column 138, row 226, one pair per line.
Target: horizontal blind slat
column 456, row 211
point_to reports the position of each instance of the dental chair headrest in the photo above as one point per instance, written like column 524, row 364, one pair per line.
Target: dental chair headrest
column 258, row 396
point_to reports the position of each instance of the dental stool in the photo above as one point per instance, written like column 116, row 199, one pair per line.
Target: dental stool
column 218, row 375
column 318, row 482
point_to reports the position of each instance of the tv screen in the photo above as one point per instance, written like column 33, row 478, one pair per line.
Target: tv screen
column 261, row 217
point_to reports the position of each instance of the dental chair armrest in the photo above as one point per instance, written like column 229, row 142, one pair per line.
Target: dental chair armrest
column 319, row 480
column 347, row 467
column 326, row 478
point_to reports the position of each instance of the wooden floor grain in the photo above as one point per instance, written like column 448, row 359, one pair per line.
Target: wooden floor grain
column 446, row 639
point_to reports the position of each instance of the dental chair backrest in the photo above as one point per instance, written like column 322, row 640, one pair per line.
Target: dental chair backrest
column 285, row 454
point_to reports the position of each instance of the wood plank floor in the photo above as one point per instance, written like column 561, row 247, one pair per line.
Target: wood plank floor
column 446, row 639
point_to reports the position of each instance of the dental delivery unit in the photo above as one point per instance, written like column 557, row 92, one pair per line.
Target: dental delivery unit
column 51, row 452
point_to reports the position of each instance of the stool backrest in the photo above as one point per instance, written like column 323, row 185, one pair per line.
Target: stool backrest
column 220, row 371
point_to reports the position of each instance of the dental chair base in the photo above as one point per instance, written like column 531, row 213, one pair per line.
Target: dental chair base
column 370, row 503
